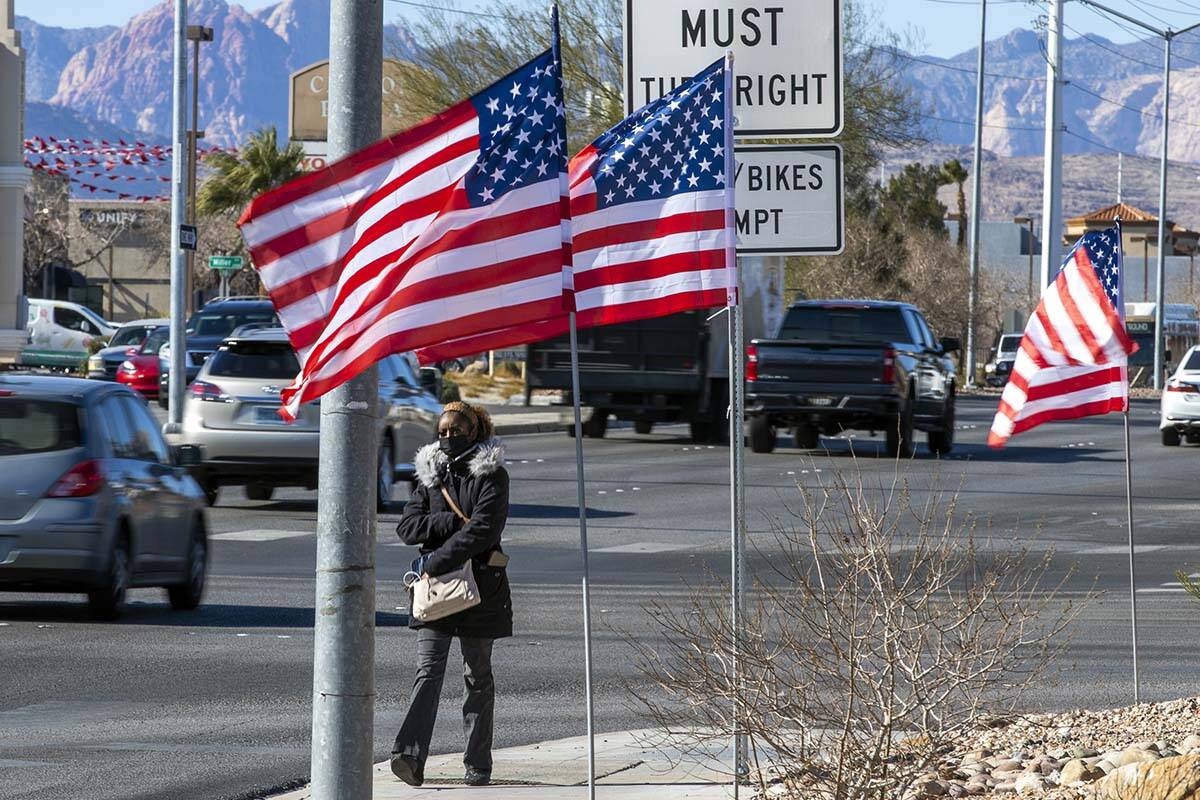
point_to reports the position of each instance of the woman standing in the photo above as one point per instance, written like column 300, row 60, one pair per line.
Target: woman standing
column 467, row 464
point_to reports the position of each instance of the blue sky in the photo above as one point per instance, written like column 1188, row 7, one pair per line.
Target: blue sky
column 943, row 27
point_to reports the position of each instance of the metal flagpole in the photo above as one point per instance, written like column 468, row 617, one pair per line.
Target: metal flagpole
column 1132, row 578
column 737, row 495
column 1159, row 289
column 580, row 496
column 1052, row 168
column 343, row 710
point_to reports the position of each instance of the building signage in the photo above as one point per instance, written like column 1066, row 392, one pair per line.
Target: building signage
column 308, row 101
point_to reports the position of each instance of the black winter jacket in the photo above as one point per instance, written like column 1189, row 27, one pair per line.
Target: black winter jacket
column 478, row 483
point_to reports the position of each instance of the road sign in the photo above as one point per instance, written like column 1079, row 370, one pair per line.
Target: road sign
column 187, row 237
column 789, row 199
column 787, row 58
column 232, row 263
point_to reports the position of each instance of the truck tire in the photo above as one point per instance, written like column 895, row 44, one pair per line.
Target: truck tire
column 942, row 442
column 643, row 426
column 762, row 435
column 1170, row 437
column 597, row 424
column 807, row 436
column 900, row 433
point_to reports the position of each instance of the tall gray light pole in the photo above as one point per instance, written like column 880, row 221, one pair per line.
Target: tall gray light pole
column 195, row 34
column 1052, row 164
column 178, row 377
column 976, row 176
column 344, row 643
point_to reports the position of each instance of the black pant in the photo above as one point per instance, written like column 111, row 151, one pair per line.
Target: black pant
column 479, row 698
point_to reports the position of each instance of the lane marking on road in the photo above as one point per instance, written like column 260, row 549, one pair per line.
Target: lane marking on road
column 10, row 763
column 641, row 547
column 151, row 747
column 259, row 535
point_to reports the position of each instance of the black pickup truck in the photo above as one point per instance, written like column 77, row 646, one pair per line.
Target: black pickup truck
column 852, row 365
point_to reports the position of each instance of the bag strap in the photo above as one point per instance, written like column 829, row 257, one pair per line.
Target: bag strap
column 453, row 505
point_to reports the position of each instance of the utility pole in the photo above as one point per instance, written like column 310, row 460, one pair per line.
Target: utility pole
column 1145, row 240
column 343, row 726
column 1159, row 288
column 1029, row 288
column 1120, row 174
column 178, row 377
column 976, row 175
column 195, row 34
column 1052, row 166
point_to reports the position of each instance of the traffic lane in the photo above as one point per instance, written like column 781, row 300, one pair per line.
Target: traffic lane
column 217, row 704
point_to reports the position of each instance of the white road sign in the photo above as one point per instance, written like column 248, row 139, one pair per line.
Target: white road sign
column 789, row 200
column 787, row 58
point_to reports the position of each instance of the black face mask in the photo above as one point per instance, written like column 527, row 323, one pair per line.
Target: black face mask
column 454, row 446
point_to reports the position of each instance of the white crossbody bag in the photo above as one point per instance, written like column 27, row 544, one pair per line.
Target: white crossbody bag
column 435, row 598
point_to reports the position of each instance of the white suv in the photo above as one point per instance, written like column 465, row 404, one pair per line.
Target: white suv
column 1180, row 407
column 232, row 413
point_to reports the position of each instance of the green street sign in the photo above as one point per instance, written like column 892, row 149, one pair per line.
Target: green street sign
column 225, row 262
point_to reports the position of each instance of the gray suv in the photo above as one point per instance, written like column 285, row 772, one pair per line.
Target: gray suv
column 232, row 413
column 91, row 497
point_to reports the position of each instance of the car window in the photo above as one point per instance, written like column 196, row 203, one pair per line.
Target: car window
column 1193, row 361
column 923, row 328
column 266, row 360
column 1010, row 343
column 156, row 340
column 118, row 429
column 129, row 336
column 147, row 441
column 404, row 372
column 223, row 323
column 387, row 371
column 37, row 426
column 72, row 319
column 845, row 322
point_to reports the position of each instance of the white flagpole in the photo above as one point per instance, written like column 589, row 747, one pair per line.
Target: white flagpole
column 737, row 494
column 582, row 500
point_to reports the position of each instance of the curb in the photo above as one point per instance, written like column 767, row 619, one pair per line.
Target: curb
column 517, row 428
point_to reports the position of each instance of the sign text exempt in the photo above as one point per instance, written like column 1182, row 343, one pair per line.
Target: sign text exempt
column 789, row 199
column 787, row 71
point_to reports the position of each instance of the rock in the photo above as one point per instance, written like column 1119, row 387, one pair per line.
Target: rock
column 1085, row 752
column 1191, row 742
column 957, row 790
column 1165, row 779
column 1004, row 788
column 1161, row 745
column 1030, row 782
column 933, row 788
column 1133, row 756
column 1049, row 767
column 1105, row 766
column 1006, row 775
column 1077, row 771
column 1170, row 752
column 1005, row 765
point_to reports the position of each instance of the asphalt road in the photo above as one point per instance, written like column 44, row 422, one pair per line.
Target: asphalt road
column 216, row 703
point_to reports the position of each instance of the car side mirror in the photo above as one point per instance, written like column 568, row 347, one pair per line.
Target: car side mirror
column 187, row 455
column 950, row 344
column 431, row 380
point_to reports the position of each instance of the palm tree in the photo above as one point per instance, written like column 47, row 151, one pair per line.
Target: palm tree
column 954, row 172
column 238, row 178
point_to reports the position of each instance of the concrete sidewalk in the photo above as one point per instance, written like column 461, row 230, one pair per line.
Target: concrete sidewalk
column 625, row 766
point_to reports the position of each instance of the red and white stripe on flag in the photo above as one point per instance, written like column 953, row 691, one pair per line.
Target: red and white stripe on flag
column 1073, row 357
column 434, row 234
column 653, row 224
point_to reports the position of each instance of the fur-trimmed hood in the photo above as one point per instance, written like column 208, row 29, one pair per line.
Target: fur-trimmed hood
column 487, row 458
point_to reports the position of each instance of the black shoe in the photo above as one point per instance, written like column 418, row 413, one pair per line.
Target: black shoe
column 477, row 777
column 407, row 769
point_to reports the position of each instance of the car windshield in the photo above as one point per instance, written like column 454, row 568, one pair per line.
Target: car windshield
column 217, row 323
column 156, row 340
column 1193, row 361
column 129, row 336
column 37, row 426
column 844, row 322
column 265, row 360
column 1009, row 344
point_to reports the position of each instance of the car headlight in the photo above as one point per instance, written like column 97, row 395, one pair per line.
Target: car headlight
column 989, row 367
column 128, row 366
column 96, row 362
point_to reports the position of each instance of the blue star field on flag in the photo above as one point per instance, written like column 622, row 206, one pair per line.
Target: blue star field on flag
column 521, row 131
column 1103, row 250
column 673, row 145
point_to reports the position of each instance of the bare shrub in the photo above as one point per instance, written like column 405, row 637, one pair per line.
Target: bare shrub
column 876, row 635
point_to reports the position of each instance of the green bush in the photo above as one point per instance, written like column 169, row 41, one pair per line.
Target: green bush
column 509, row 369
column 450, row 393
column 96, row 345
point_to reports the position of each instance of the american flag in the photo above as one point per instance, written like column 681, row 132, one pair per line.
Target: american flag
column 446, row 230
column 652, row 217
column 1073, row 357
